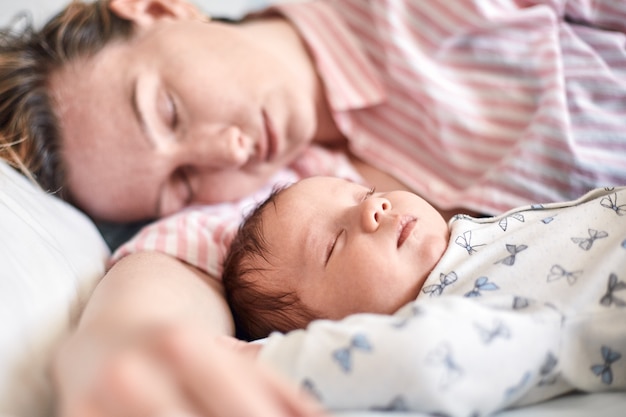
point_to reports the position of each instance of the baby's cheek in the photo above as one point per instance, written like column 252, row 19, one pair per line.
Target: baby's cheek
column 433, row 250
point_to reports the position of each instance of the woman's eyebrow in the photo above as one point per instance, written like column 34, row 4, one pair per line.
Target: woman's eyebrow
column 139, row 116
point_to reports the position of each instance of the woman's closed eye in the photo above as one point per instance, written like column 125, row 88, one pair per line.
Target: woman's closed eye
column 168, row 110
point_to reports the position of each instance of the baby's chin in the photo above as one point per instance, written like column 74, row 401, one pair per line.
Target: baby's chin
column 432, row 251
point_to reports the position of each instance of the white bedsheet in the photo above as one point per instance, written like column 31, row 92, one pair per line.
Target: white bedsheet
column 574, row 405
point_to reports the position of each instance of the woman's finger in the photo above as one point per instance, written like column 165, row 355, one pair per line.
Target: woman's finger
column 132, row 381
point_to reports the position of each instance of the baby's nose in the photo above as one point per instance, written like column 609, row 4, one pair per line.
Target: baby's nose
column 372, row 212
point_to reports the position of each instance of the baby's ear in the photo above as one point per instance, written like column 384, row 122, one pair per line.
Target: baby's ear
column 146, row 12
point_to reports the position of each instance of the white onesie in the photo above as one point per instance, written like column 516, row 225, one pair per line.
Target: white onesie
column 521, row 308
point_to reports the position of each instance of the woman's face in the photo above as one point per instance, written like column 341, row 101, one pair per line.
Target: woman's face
column 186, row 112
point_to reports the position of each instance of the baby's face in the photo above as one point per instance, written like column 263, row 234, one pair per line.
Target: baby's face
column 346, row 250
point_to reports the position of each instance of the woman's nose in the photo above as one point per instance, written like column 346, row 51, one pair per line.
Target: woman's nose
column 372, row 212
column 227, row 148
column 237, row 147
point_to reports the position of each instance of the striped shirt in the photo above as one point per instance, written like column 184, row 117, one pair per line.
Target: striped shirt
column 482, row 104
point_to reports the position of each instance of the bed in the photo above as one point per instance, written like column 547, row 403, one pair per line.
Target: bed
column 52, row 256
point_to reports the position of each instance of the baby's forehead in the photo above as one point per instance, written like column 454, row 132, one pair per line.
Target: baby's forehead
column 318, row 186
column 293, row 203
column 284, row 197
column 284, row 226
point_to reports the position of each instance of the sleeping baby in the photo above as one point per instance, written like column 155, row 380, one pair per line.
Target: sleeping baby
column 372, row 301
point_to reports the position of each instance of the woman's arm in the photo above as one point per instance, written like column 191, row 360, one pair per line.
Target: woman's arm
column 146, row 345
column 151, row 288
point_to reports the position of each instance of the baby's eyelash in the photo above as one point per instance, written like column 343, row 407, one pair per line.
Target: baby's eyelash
column 332, row 247
column 369, row 193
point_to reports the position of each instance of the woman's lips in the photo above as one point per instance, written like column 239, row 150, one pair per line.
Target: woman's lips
column 406, row 226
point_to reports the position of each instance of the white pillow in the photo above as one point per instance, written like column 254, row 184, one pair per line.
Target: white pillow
column 51, row 257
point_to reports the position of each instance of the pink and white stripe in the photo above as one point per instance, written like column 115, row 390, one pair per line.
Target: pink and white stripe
column 514, row 103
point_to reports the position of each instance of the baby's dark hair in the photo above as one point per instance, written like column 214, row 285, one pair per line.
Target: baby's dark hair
column 258, row 312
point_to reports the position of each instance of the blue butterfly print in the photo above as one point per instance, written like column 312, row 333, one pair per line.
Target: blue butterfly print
column 309, row 386
column 402, row 322
column 437, row 289
column 441, row 357
column 549, row 364
column 416, row 310
column 465, row 241
column 557, row 272
column 513, row 250
column 498, row 330
column 548, row 220
column 587, row 243
column 481, row 284
column 536, row 206
column 511, row 391
column 611, row 204
column 624, row 244
column 604, row 370
column 343, row 356
column 461, row 216
column 398, row 404
column 520, row 303
column 504, row 222
column 612, row 286
column 548, row 367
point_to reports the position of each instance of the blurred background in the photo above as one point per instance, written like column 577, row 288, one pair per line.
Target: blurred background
column 42, row 9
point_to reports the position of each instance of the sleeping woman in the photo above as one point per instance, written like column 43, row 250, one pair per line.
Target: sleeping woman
column 137, row 109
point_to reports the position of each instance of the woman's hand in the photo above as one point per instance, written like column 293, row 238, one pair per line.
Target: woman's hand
column 150, row 344
column 182, row 371
column 223, row 378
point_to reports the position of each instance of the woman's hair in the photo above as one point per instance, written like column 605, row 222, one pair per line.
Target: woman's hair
column 30, row 136
column 258, row 311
